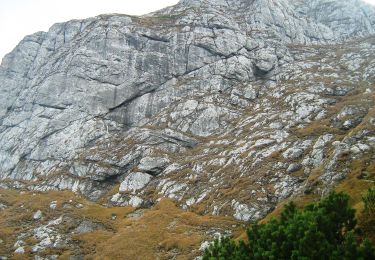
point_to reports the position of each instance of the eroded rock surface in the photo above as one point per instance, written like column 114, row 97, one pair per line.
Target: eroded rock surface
column 230, row 104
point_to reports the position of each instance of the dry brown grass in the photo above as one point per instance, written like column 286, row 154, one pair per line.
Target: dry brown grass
column 355, row 185
column 160, row 230
column 17, row 217
column 317, row 128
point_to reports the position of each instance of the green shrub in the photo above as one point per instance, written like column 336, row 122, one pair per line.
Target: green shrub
column 324, row 230
column 369, row 200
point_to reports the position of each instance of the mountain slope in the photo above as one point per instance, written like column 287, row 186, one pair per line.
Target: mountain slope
column 226, row 107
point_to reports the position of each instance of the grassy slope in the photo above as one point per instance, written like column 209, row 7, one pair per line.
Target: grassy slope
column 355, row 184
column 162, row 232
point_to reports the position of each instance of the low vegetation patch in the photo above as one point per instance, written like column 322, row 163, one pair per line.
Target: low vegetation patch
column 164, row 231
column 323, row 230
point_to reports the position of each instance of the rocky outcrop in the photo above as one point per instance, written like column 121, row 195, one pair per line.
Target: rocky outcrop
column 230, row 104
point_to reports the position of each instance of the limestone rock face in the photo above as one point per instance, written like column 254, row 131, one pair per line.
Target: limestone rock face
column 345, row 18
column 191, row 101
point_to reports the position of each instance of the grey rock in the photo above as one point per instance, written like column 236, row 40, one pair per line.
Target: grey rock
column 135, row 201
column 19, row 243
column 276, row 125
column 264, row 142
column 293, row 153
column 334, row 90
column 330, row 12
column 293, row 167
column 350, row 116
column 129, row 97
column 19, row 250
column 76, row 257
column 134, row 182
column 245, row 213
column 266, row 60
column 207, row 122
column 152, row 165
column 322, row 141
column 3, row 206
column 211, row 85
column 87, row 226
column 318, row 152
column 125, row 200
column 48, row 236
column 360, row 148
column 38, row 215
column 285, row 186
column 173, row 136
column 204, row 245
column 53, row 205
column 250, row 92
column 136, row 214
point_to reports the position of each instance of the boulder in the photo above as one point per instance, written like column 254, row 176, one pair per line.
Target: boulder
column 38, row 215
column 153, row 165
column 19, row 250
column 293, row 167
column 293, row 153
column 135, row 181
column 87, row 226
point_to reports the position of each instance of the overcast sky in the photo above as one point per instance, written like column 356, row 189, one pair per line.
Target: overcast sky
column 22, row 17
column 19, row 18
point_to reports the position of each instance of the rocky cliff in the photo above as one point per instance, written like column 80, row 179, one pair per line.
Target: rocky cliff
column 225, row 106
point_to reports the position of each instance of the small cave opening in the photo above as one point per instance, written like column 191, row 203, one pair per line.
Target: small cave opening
column 260, row 74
